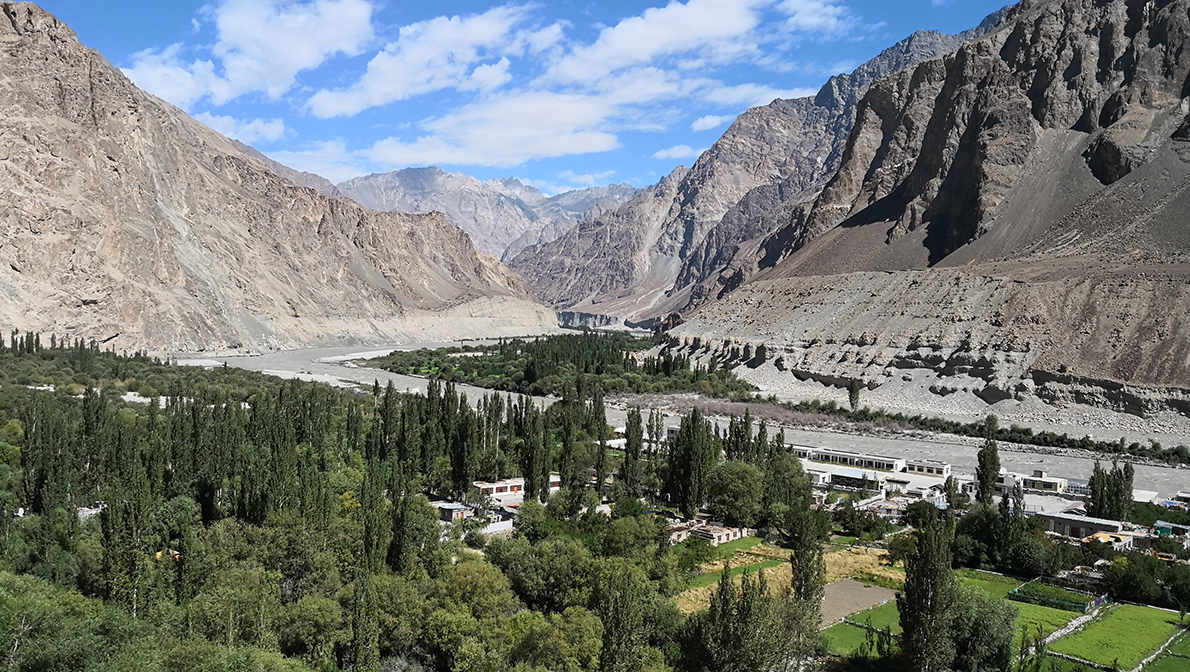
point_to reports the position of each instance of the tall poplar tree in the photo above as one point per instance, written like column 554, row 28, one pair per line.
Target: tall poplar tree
column 987, row 471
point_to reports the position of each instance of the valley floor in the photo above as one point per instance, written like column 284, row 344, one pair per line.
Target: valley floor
column 332, row 365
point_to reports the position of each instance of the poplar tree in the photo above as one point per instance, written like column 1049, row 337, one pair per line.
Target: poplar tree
column 987, row 471
column 927, row 604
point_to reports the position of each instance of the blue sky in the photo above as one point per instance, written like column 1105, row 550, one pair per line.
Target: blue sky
column 563, row 94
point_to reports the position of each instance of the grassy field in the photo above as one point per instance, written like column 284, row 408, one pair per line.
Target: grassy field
column 732, row 547
column 1181, row 647
column 1168, row 664
column 886, row 615
column 1050, row 619
column 1124, row 638
column 992, row 584
column 844, row 639
column 712, row 578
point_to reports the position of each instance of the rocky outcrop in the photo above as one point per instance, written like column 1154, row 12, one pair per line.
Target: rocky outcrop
column 125, row 221
column 299, row 177
column 1009, row 219
column 744, row 187
column 503, row 217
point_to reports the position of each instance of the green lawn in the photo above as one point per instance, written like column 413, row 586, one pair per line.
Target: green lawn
column 1124, row 638
column 1050, row 619
column 731, row 547
column 843, row 540
column 713, row 577
column 886, row 615
column 844, row 639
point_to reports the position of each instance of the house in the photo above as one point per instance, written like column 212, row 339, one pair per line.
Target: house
column 1042, row 482
column 512, row 486
column 1078, row 527
column 716, row 534
column 1182, row 498
column 449, row 512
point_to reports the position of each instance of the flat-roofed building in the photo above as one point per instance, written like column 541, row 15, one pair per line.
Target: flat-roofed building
column 1042, row 482
column 1078, row 527
column 449, row 512
column 858, row 460
column 858, row 479
column 928, row 468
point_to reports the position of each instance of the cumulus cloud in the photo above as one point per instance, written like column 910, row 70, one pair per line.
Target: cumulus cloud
column 255, row 130
column 678, row 152
column 816, row 15
column 438, row 54
column 261, row 46
column 715, row 29
column 710, row 121
column 506, row 132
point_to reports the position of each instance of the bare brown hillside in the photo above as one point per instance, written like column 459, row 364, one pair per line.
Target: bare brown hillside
column 124, row 220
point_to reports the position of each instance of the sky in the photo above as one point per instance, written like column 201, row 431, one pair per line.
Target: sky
column 562, row 94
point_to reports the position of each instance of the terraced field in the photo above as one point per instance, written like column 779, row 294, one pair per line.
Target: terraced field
column 1124, row 638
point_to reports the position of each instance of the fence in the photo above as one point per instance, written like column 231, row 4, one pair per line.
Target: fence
column 1035, row 592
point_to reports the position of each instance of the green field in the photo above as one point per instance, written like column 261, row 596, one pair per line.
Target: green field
column 713, row 577
column 996, row 586
column 732, row 547
column 844, row 639
column 1181, row 647
column 1050, row 619
column 884, row 616
column 1124, row 638
column 1168, row 664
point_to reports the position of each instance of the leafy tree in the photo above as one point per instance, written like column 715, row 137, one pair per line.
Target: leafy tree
column 987, row 471
column 927, row 604
column 735, row 491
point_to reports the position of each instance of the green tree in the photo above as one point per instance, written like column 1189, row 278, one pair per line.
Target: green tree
column 735, row 493
column 927, row 604
column 987, row 471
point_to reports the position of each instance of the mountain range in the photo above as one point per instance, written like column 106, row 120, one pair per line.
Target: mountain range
column 999, row 213
column 125, row 221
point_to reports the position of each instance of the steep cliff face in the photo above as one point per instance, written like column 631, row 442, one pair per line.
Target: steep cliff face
column 503, row 217
column 745, row 186
column 123, row 220
column 1016, row 210
column 1064, row 99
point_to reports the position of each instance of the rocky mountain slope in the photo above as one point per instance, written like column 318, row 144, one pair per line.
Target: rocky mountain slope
column 1008, row 220
column 772, row 158
column 123, row 220
column 503, row 217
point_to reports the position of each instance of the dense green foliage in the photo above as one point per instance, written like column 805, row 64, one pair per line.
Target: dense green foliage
column 549, row 364
column 236, row 521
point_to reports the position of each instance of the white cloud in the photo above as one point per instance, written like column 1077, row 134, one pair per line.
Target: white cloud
column 751, row 95
column 161, row 73
column 678, row 152
column 261, row 46
column 710, row 121
column 256, row 130
column 506, row 131
column 329, row 159
column 826, row 16
column 435, row 55
column 588, row 179
column 715, row 29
